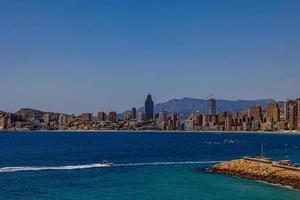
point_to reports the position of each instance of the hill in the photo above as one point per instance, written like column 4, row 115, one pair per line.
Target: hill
column 30, row 112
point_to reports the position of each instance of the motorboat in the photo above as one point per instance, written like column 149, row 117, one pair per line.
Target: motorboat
column 106, row 164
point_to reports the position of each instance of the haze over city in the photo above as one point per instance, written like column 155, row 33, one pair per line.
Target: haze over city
column 78, row 56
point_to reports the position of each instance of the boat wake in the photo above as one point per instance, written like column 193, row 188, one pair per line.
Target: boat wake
column 166, row 163
column 97, row 165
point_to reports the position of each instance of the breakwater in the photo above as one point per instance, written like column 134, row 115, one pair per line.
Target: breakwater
column 257, row 170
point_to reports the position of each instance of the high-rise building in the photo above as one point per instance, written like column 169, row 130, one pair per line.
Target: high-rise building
column 287, row 109
column 47, row 118
column 255, row 113
column 172, row 121
column 86, row 116
column 189, row 125
column 196, row 117
column 63, row 119
column 293, row 116
column 162, row 115
column 140, row 117
column 127, row 116
column 272, row 113
column 255, row 125
column 290, row 113
column 298, row 113
column 2, row 122
column 228, row 122
column 212, row 106
column 101, row 116
column 222, row 118
column 205, row 120
column 133, row 110
column 112, row 116
column 149, row 108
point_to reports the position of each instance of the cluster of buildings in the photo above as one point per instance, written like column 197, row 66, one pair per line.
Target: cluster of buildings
column 274, row 116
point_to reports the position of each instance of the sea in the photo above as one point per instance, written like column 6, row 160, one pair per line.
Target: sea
column 147, row 165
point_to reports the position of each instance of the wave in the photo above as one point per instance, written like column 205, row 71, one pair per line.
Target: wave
column 97, row 165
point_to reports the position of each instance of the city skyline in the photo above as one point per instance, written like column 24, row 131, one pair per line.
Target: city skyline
column 83, row 56
column 269, row 116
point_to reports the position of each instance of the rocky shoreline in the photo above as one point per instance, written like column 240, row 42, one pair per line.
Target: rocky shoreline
column 258, row 171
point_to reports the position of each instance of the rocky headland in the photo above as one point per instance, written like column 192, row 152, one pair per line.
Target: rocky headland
column 255, row 170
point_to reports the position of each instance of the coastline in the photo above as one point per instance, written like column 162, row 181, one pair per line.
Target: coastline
column 157, row 131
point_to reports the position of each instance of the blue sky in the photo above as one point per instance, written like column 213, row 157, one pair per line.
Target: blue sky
column 75, row 56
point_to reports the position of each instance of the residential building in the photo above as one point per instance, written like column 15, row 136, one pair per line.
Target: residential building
column 86, row 116
column 101, row 116
column 272, row 113
column 189, row 125
column 112, row 116
column 47, row 118
column 162, row 115
column 140, row 118
column 298, row 113
column 255, row 113
column 212, row 109
column 228, row 122
column 2, row 122
column 127, row 116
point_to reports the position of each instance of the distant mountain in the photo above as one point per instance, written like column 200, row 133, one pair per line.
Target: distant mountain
column 186, row 105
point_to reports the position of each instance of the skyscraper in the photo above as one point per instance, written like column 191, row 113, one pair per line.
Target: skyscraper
column 149, row 107
column 212, row 106
column 133, row 110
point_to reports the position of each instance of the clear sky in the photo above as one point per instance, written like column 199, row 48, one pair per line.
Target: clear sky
column 75, row 56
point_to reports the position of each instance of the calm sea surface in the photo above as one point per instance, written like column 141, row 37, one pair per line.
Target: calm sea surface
column 44, row 165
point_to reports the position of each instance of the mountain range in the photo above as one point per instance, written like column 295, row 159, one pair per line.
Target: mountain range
column 186, row 105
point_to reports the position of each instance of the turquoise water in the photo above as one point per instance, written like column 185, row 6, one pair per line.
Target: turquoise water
column 148, row 165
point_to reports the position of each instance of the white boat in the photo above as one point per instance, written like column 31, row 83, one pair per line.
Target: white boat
column 106, row 164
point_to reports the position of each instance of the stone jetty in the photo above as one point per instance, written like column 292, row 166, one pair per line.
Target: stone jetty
column 260, row 169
